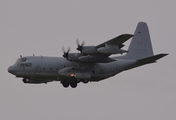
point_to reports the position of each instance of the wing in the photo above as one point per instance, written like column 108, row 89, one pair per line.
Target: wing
column 99, row 53
column 117, row 41
column 79, row 57
column 109, row 47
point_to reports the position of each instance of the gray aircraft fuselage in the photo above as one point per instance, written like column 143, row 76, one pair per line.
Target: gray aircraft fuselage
column 92, row 64
column 49, row 68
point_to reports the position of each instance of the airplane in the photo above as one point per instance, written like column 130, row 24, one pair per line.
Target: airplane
column 91, row 64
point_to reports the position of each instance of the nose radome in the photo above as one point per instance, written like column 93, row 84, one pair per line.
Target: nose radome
column 10, row 69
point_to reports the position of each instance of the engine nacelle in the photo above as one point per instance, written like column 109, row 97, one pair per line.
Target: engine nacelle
column 111, row 50
column 89, row 50
column 74, row 56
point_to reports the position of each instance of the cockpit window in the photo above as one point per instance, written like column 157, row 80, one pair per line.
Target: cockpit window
column 17, row 62
column 23, row 59
column 20, row 60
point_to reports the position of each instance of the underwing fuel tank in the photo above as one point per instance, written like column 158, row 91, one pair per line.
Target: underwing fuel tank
column 111, row 50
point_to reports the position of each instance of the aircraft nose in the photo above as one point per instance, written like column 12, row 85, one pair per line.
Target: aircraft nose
column 11, row 69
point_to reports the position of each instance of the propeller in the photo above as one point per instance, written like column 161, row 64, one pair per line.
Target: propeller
column 65, row 54
column 80, row 47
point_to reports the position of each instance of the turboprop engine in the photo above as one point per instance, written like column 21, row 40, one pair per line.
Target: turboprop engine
column 111, row 50
column 88, row 50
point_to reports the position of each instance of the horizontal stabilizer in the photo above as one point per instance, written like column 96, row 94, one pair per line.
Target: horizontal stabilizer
column 151, row 59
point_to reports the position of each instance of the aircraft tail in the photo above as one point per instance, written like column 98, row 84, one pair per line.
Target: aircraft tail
column 140, row 46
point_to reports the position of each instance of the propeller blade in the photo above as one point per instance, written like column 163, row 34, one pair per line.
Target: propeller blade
column 77, row 41
column 83, row 43
column 65, row 54
column 80, row 47
column 63, row 49
column 68, row 50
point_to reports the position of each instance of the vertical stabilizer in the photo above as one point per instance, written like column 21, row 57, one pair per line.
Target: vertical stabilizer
column 140, row 46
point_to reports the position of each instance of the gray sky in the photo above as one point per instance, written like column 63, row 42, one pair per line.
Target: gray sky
column 42, row 27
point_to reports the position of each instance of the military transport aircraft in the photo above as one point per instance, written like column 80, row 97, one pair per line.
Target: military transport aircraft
column 91, row 64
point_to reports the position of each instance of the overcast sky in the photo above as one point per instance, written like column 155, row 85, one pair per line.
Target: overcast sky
column 42, row 27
